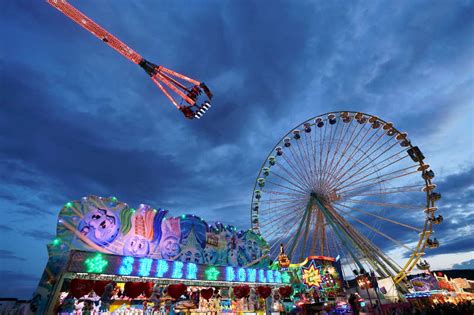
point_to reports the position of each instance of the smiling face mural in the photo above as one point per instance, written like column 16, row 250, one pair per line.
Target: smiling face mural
column 100, row 225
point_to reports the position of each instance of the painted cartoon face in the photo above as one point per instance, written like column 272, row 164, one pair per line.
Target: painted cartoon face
column 193, row 256
column 170, row 248
column 100, row 225
column 136, row 246
column 210, row 255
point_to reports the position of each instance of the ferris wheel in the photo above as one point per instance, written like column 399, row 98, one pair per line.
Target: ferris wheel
column 347, row 184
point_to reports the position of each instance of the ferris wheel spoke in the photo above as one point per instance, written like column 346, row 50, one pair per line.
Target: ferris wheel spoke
column 281, row 205
column 286, row 187
column 363, row 155
column 349, row 143
column 276, row 230
column 285, row 235
column 377, row 170
column 375, row 230
column 309, row 147
column 386, row 191
column 279, row 218
column 294, row 172
column 302, row 170
column 296, row 184
column 379, row 178
column 380, row 217
column 308, row 158
column 367, row 155
column 355, row 149
column 384, row 204
column 280, row 209
column 335, row 151
column 328, row 150
column 374, row 166
column 279, row 193
column 282, row 199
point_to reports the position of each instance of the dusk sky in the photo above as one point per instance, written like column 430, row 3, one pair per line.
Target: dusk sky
column 78, row 119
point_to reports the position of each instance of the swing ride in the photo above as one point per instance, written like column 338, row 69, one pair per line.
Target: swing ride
column 196, row 95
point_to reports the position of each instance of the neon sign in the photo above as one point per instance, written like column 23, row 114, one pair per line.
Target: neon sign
column 88, row 262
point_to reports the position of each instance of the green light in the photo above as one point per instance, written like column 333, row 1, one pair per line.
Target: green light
column 183, row 216
column 285, row 277
column 96, row 264
column 212, row 273
column 56, row 241
column 113, row 199
column 154, row 210
column 69, row 204
column 133, row 210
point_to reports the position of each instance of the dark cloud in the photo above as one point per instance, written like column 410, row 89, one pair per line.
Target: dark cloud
column 7, row 254
column 40, row 235
column 469, row 264
column 6, row 228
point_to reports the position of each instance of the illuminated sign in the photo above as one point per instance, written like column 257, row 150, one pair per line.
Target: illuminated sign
column 311, row 275
column 89, row 262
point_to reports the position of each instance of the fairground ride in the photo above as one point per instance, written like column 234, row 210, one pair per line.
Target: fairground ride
column 347, row 184
column 194, row 96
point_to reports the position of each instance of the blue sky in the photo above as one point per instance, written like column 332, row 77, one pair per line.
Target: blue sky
column 76, row 118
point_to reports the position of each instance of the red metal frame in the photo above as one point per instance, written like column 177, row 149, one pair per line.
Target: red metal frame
column 158, row 74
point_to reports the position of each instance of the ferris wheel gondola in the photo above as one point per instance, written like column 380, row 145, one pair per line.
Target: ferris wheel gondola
column 347, row 184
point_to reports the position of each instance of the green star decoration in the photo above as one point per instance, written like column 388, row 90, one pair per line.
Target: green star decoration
column 96, row 264
column 212, row 273
column 285, row 277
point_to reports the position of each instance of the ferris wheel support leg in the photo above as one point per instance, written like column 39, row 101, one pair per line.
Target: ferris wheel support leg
column 295, row 239
column 344, row 239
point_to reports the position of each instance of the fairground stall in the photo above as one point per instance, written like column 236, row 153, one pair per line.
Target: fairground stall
column 109, row 257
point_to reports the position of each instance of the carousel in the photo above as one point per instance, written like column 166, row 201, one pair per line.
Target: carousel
column 110, row 258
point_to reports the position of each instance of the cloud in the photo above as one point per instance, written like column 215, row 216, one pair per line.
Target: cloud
column 7, row 254
column 40, row 235
column 469, row 264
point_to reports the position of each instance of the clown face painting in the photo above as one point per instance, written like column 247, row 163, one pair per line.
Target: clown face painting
column 101, row 226
column 169, row 247
column 136, row 246
column 192, row 255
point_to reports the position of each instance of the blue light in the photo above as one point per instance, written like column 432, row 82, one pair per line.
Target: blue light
column 162, row 268
column 145, row 267
column 191, row 270
column 177, row 270
column 252, row 275
column 127, row 266
column 261, row 276
column 229, row 274
column 241, row 274
column 270, row 276
column 277, row 276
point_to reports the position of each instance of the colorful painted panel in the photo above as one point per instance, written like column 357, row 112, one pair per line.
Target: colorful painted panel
column 109, row 226
column 425, row 283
